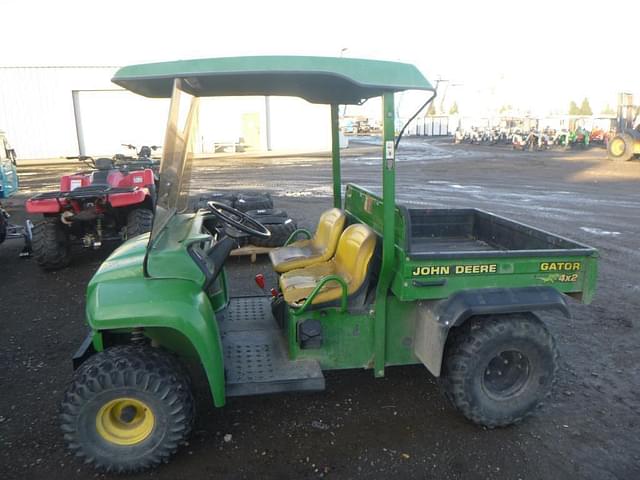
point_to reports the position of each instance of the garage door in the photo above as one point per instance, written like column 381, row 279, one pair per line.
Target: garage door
column 105, row 119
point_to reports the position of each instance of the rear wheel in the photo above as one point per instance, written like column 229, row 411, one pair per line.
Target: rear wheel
column 621, row 147
column 139, row 221
column 51, row 244
column 128, row 408
column 498, row 369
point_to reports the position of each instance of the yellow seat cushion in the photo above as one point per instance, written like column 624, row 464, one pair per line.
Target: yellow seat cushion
column 351, row 263
column 318, row 249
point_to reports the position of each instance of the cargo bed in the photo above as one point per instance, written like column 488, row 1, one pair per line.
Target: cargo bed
column 449, row 233
column 443, row 251
column 448, row 250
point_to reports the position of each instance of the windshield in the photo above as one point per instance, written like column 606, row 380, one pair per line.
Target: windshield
column 177, row 154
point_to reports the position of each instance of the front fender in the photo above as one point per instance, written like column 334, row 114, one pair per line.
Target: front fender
column 172, row 304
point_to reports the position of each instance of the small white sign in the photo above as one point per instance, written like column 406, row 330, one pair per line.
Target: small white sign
column 390, row 150
column 75, row 183
column 137, row 179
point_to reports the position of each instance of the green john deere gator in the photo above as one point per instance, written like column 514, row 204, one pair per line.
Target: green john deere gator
column 376, row 285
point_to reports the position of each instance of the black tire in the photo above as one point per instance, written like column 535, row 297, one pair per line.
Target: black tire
column 139, row 221
column 147, row 381
column 498, row 369
column 257, row 201
column 269, row 217
column 51, row 244
column 268, row 213
column 280, row 233
column 620, row 147
column 226, row 198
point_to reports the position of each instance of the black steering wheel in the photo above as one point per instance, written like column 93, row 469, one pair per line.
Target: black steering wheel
column 238, row 219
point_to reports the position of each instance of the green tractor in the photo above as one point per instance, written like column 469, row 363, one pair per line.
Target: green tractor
column 377, row 285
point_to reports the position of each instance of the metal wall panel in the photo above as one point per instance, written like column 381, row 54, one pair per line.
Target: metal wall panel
column 36, row 107
column 37, row 112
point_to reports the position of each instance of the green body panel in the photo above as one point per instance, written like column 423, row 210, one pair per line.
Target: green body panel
column 172, row 310
column 347, row 339
column 168, row 257
column 365, row 207
column 219, row 293
column 590, row 279
column 510, row 272
column 326, row 80
column 401, row 321
column 124, row 262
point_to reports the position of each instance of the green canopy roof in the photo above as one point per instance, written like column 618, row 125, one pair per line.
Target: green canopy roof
column 316, row 79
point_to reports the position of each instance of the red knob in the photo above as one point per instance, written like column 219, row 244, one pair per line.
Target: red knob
column 260, row 280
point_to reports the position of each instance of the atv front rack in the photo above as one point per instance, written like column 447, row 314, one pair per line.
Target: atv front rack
column 84, row 192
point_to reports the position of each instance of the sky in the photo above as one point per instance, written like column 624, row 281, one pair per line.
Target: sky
column 535, row 56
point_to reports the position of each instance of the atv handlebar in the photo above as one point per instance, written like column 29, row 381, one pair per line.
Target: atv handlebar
column 84, row 159
column 133, row 147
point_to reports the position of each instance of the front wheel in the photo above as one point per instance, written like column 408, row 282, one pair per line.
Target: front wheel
column 498, row 369
column 127, row 409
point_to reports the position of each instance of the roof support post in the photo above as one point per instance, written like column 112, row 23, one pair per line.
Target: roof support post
column 75, row 96
column 335, row 156
column 267, row 117
column 388, row 232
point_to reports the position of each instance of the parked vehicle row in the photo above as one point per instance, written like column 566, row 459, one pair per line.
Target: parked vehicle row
column 532, row 139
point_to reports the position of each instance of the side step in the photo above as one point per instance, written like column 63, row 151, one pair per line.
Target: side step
column 256, row 363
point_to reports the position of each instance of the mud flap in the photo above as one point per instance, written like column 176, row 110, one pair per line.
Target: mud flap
column 85, row 351
column 434, row 319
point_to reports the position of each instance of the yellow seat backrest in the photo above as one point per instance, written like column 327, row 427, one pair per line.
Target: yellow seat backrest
column 355, row 249
column 328, row 231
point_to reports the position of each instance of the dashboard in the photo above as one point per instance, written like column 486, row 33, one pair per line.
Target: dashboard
column 210, row 254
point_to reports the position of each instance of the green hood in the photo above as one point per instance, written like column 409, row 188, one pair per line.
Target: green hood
column 168, row 258
column 125, row 262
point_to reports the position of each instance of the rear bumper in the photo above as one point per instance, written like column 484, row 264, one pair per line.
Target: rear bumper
column 46, row 205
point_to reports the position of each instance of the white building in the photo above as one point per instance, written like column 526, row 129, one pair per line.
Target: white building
column 58, row 111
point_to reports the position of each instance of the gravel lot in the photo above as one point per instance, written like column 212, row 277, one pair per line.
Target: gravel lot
column 363, row 427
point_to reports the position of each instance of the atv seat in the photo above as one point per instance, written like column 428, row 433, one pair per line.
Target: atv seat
column 351, row 263
column 318, row 249
column 103, row 168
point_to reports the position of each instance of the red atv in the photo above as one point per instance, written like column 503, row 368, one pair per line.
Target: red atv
column 113, row 201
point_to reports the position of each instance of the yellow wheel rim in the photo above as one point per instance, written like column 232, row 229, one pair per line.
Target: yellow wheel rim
column 125, row 421
column 617, row 147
